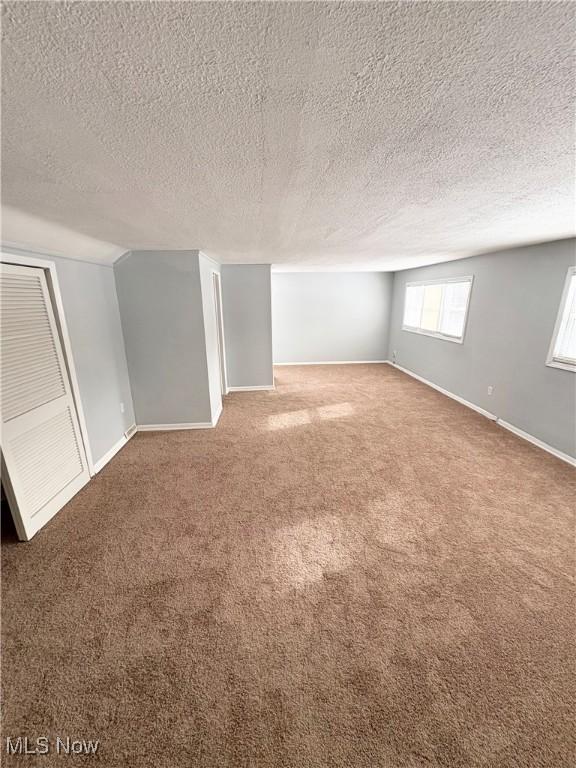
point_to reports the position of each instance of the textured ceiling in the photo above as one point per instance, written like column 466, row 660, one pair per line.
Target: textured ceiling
column 358, row 135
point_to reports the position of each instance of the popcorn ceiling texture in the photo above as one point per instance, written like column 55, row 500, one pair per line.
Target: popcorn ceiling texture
column 367, row 135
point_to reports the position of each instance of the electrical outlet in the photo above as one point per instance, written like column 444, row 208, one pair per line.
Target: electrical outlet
column 490, row 389
column 121, row 407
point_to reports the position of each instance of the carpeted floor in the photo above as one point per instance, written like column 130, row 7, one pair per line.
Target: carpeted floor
column 351, row 570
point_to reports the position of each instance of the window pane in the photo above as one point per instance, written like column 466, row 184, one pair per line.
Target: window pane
column 437, row 307
column 413, row 305
column 565, row 347
column 453, row 314
column 431, row 307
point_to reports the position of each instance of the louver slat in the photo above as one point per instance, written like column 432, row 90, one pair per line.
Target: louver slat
column 28, row 379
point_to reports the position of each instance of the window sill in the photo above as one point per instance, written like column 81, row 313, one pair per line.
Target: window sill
column 562, row 366
column 433, row 335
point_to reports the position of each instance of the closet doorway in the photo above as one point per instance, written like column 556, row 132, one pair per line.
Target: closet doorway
column 44, row 457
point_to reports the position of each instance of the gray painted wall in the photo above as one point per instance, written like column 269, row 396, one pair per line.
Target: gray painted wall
column 246, row 302
column 93, row 320
column 160, row 301
column 330, row 316
column 513, row 306
column 207, row 268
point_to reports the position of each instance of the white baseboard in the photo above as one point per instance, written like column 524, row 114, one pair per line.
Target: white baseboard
column 251, row 389
column 101, row 463
column 539, row 443
column 172, row 427
column 458, row 399
column 510, row 427
column 338, row 362
column 182, row 425
column 216, row 418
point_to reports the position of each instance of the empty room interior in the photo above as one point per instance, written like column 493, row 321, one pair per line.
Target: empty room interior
column 288, row 384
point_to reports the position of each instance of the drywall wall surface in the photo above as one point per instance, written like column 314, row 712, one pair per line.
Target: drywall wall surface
column 378, row 135
column 246, row 302
column 513, row 307
column 93, row 320
column 330, row 316
column 160, row 301
column 207, row 269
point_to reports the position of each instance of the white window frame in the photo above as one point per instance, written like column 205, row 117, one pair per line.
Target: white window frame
column 550, row 361
column 437, row 334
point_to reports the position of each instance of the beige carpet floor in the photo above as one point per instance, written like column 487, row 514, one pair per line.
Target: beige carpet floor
column 351, row 570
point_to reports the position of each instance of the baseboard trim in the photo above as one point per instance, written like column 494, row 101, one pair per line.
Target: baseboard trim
column 538, row 443
column 510, row 427
column 458, row 399
column 101, row 463
column 338, row 362
column 181, row 426
column 252, row 389
column 173, row 427
column 215, row 419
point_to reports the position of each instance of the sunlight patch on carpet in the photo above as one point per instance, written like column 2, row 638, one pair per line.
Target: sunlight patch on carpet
column 290, row 419
column 308, row 415
column 335, row 411
column 304, row 552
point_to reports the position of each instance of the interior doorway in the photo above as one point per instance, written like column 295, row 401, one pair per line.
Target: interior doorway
column 44, row 459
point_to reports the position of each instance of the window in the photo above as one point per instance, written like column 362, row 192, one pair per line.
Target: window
column 437, row 308
column 563, row 348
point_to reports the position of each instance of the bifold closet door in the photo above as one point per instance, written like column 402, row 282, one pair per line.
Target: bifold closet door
column 43, row 458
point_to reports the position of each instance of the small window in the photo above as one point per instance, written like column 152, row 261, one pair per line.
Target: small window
column 437, row 308
column 563, row 348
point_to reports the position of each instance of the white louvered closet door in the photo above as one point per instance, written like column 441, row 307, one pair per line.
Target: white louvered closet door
column 42, row 450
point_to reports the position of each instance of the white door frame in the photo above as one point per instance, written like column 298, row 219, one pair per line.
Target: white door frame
column 217, row 291
column 49, row 268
